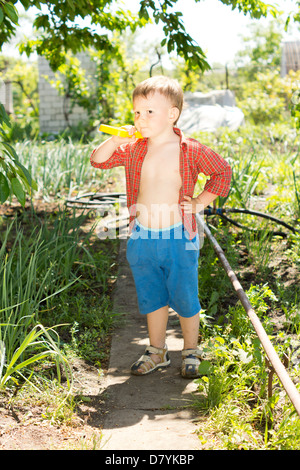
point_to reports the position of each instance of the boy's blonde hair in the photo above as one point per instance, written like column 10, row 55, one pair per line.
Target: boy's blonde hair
column 166, row 86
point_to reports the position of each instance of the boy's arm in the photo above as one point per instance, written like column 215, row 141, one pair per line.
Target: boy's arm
column 193, row 205
column 104, row 151
column 219, row 171
column 213, row 165
column 107, row 148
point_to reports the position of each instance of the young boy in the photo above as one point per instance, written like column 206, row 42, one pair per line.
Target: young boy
column 162, row 169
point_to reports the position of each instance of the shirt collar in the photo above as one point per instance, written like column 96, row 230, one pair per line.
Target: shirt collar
column 183, row 140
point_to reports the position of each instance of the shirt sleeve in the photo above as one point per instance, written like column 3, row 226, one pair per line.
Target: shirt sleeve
column 118, row 158
column 213, row 165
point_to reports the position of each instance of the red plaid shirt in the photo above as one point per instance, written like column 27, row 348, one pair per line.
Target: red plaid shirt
column 195, row 158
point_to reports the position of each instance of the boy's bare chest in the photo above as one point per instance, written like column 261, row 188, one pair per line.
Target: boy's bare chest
column 158, row 166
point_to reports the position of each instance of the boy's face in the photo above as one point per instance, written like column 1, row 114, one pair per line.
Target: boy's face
column 154, row 115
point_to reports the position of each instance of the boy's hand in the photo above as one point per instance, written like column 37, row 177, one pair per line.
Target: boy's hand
column 124, row 140
column 191, row 205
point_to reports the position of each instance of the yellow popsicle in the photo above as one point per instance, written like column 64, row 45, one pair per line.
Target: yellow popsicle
column 118, row 131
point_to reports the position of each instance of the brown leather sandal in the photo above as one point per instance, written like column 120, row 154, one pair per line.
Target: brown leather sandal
column 147, row 364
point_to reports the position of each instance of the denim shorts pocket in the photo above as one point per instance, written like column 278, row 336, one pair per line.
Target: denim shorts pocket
column 132, row 251
column 194, row 244
column 188, row 253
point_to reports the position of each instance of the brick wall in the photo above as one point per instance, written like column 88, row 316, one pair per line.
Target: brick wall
column 52, row 105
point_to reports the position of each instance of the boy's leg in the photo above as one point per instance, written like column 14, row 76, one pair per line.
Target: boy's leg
column 190, row 331
column 191, row 355
column 157, row 326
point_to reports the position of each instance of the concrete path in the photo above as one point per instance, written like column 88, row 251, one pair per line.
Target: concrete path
column 152, row 412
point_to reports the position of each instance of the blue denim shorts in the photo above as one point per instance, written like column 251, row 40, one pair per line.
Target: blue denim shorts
column 164, row 264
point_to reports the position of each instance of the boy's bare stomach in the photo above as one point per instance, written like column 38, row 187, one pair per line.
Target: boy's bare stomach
column 158, row 209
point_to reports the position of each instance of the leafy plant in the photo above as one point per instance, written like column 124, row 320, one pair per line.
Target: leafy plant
column 297, row 191
column 58, row 169
column 32, row 275
column 245, row 179
column 240, row 323
column 37, row 345
column 14, row 177
column 26, row 283
column 60, row 32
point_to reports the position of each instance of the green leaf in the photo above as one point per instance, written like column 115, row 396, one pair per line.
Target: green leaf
column 11, row 12
column 25, row 175
column 18, row 191
column 71, row 4
column 3, row 116
column 205, row 368
column 2, row 357
column 11, row 151
column 4, row 188
column 1, row 15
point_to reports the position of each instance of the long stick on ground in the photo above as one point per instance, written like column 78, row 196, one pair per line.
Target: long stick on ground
column 273, row 357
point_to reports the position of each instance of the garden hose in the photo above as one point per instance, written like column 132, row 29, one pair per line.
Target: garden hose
column 103, row 200
column 222, row 211
column 94, row 200
column 250, row 229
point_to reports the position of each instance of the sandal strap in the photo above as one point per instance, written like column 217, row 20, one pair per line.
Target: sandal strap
column 192, row 352
column 145, row 359
column 153, row 350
